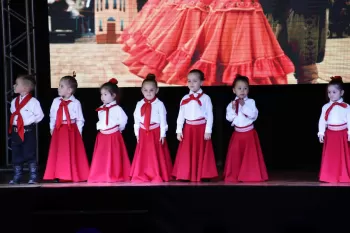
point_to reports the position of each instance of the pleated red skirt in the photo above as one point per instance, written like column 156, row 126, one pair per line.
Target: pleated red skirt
column 244, row 160
column 67, row 160
column 110, row 162
column 195, row 158
column 335, row 165
column 152, row 161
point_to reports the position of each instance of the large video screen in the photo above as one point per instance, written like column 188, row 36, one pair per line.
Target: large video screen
column 270, row 41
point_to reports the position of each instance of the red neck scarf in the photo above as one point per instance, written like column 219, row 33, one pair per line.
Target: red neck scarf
column 20, row 123
column 59, row 117
column 343, row 105
column 237, row 105
column 191, row 97
column 146, row 110
column 106, row 108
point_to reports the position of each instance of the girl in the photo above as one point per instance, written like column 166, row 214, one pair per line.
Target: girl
column 67, row 160
column 335, row 116
column 234, row 38
column 244, row 160
column 110, row 161
column 152, row 55
column 152, row 160
column 195, row 158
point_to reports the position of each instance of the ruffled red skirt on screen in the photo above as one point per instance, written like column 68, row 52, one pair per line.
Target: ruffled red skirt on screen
column 141, row 19
column 235, row 38
column 152, row 161
column 156, row 23
column 195, row 159
column 335, row 165
column 150, row 56
column 67, row 160
column 244, row 160
column 110, row 162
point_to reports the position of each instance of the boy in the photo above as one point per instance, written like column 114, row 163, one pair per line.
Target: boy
column 26, row 112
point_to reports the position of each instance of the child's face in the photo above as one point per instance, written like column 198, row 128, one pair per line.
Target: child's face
column 106, row 96
column 241, row 89
column 334, row 93
column 149, row 90
column 194, row 82
column 64, row 90
column 20, row 86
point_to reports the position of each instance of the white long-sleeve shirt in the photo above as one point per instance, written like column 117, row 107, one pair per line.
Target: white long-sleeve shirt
column 337, row 116
column 158, row 116
column 193, row 111
column 116, row 116
column 31, row 112
column 247, row 114
column 75, row 112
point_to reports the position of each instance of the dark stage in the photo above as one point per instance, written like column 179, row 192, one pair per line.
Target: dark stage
column 290, row 202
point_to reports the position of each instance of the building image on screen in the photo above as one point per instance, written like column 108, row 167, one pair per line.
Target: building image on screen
column 270, row 41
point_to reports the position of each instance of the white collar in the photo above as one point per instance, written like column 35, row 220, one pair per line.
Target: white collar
column 198, row 92
column 338, row 101
column 245, row 98
column 111, row 103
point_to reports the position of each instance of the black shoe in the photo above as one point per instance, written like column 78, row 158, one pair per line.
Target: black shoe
column 18, row 172
column 33, row 173
column 56, row 180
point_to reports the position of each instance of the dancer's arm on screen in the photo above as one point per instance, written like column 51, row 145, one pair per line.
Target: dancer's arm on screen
column 249, row 109
column 322, row 124
column 209, row 118
column 163, row 122
column 180, row 122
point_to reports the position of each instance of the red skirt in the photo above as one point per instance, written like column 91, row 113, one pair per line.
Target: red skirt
column 244, row 160
column 152, row 161
column 67, row 158
column 335, row 165
column 235, row 38
column 110, row 162
column 151, row 55
column 195, row 158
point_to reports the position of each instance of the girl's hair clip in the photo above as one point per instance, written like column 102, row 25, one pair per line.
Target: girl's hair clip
column 113, row 81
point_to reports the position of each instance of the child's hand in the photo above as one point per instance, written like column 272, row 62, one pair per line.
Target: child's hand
column 207, row 136
column 137, row 139
column 180, row 137
column 241, row 102
column 349, row 137
column 162, row 140
column 322, row 140
column 51, row 131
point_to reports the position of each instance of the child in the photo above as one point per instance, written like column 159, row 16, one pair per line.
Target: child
column 335, row 116
column 244, row 160
column 110, row 162
column 195, row 158
column 234, row 38
column 152, row 160
column 26, row 112
column 67, row 160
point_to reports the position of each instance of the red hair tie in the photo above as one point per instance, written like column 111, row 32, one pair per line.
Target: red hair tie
column 113, row 81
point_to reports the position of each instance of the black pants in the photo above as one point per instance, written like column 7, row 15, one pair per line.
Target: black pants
column 23, row 151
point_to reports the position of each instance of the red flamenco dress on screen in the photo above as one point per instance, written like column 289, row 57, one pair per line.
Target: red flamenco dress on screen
column 156, row 22
column 110, row 161
column 142, row 18
column 335, row 165
column 235, row 38
column 152, row 161
column 195, row 159
column 151, row 55
column 244, row 160
column 67, row 160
